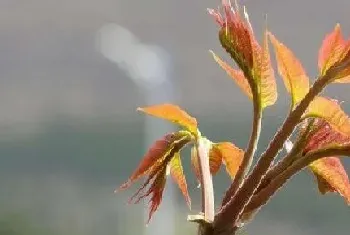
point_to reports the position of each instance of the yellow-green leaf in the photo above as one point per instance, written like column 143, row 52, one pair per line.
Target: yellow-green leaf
column 177, row 174
column 331, row 111
column 236, row 74
column 264, row 73
column 343, row 74
column 172, row 113
column 291, row 70
column 195, row 164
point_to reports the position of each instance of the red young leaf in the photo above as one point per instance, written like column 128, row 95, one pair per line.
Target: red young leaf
column 236, row 74
column 331, row 176
column 329, row 172
column 155, row 155
column 172, row 113
column 154, row 165
column 139, row 194
column 323, row 136
column 235, row 34
column 291, row 70
column 156, row 189
column 177, row 174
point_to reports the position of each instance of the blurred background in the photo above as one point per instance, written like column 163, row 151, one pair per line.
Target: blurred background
column 72, row 74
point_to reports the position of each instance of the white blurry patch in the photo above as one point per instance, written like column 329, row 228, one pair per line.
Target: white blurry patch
column 246, row 16
column 288, row 145
column 167, row 170
column 143, row 63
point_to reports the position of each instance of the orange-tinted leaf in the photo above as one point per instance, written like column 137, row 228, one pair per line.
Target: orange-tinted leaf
column 215, row 161
column 236, row 74
column 331, row 176
column 323, row 185
column 344, row 79
column 294, row 77
column 177, row 174
column 331, row 50
column 330, row 111
column 264, row 73
column 232, row 156
column 172, row 113
column 334, row 49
